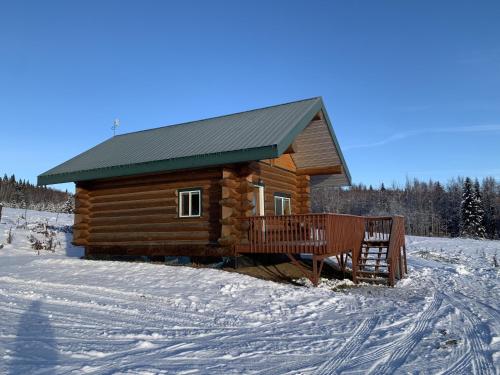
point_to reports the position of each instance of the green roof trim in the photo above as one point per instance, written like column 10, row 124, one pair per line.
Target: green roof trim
column 257, row 134
column 162, row 165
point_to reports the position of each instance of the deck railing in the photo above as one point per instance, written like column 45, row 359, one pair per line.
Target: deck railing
column 318, row 234
column 377, row 228
column 396, row 254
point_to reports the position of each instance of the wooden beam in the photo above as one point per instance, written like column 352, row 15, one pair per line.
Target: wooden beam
column 314, row 171
column 292, row 149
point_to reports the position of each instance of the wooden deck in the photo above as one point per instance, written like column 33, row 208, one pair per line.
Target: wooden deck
column 332, row 235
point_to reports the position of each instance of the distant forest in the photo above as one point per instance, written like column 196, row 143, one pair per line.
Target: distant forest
column 23, row 194
column 430, row 208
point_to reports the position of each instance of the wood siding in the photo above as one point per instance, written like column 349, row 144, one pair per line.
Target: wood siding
column 139, row 215
column 279, row 180
column 285, row 161
column 143, row 211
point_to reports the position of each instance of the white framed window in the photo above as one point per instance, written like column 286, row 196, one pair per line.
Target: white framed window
column 282, row 204
column 190, row 203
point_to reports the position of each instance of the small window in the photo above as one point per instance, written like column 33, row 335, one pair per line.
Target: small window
column 190, row 203
column 282, row 204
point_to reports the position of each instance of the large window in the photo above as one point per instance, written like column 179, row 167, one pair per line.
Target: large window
column 190, row 203
column 282, row 204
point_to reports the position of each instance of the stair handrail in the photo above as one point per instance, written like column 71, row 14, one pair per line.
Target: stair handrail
column 396, row 242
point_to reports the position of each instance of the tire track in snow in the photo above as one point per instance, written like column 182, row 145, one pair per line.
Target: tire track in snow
column 404, row 346
column 345, row 353
column 215, row 339
column 462, row 366
column 477, row 346
column 351, row 347
column 78, row 295
column 489, row 310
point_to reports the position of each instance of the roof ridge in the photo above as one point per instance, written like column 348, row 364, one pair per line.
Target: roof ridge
column 216, row 117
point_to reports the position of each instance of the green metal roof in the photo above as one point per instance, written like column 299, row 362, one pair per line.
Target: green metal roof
column 252, row 135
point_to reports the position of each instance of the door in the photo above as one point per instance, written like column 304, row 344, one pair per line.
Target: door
column 258, row 201
column 259, row 210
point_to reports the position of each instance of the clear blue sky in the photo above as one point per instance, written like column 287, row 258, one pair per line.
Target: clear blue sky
column 412, row 88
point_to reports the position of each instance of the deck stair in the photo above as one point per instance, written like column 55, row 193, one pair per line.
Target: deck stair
column 382, row 257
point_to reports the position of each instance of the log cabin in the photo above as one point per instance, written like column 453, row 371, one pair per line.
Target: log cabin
column 221, row 186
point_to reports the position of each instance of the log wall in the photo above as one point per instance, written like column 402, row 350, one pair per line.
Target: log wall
column 142, row 211
column 139, row 215
column 277, row 179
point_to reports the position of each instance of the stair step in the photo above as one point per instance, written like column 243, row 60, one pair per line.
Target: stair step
column 371, row 280
column 376, row 242
column 372, row 265
column 378, row 274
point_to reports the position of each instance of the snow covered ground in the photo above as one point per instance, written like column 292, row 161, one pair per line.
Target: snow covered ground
column 60, row 314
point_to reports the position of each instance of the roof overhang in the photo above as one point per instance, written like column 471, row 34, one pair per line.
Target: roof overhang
column 317, row 151
column 268, row 152
column 310, row 140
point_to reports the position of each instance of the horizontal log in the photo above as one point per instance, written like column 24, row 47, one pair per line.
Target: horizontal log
column 243, row 226
column 232, row 183
column 229, row 202
column 229, row 221
column 134, row 219
column 124, row 205
column 140, row 195
column 205, row 184
column 134, row 212
column 160, row 249
column 315, row 171
column 150, row 244
column 81, row 226
column 230, row 193
column 304, row 190
column 273, row 174
column 246, row 206
column 178, row 226
column 174, row 176
column 228, row 241
column 148, row 236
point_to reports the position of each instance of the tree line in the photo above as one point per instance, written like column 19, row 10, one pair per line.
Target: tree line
column 462, row 207
column 23, row 194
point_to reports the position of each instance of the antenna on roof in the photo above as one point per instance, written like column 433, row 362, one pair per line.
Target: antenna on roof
column 116, row 124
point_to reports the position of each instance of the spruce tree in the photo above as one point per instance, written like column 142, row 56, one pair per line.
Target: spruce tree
column 68, row 206
column 479, row 211
column 467, row 210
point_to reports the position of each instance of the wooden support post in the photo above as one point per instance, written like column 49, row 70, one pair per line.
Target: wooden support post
column 304, row 194
column 315, row 271
column 354, row 258
column 406, row 264
column 400, row 263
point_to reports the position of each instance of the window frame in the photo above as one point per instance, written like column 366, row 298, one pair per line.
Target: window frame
column 189, row 192
column 283, row 197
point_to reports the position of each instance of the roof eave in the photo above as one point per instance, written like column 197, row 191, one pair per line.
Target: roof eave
column 197, row 161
